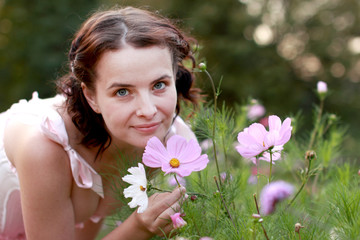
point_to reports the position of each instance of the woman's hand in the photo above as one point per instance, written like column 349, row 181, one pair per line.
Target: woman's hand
column 154, row 221
column 156, row 218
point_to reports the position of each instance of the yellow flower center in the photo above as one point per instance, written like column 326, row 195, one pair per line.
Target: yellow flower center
column 175, row 163
column 263, row 143
column 142, row 188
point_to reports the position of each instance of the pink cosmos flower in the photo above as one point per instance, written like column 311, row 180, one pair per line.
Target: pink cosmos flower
column 251, row 140
column 179, row 156
column 177, row 220
column 279, row 134
column 276, row 155
column 272, row 194
column 255, row 139
column 255, row 111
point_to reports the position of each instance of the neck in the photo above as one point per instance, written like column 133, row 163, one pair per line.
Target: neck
column 119, row 160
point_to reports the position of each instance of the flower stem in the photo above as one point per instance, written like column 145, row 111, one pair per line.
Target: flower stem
column 317, row 124
column 303, row 183
column 214, row 122
column 177, row 180
column 225, row 153
column 257, row 209
column 257, row 175
column 224, row 203
column 256, row 204
column 254, row 232
column 270, row 165
column 189, row 193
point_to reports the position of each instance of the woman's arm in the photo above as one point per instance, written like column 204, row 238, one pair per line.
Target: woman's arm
column 154, row 221
column 45, row 183
column 90, row 230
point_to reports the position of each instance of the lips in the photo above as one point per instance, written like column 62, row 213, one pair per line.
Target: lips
column 147, row 128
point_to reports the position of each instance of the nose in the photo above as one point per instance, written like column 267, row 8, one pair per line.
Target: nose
column 146, row 107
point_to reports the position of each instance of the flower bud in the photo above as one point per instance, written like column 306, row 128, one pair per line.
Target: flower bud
column 298, row 227
column 193, row 197
column 359, row 172
column 177, row 220
column 310, row 155
column 254, row 101
column 332, row 117
column 321, row 87
column 255, row 215
column 202, row 66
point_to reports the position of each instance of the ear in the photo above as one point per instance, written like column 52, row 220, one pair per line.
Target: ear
column 90, row 98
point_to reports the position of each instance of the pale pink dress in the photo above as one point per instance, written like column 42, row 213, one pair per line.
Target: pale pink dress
column 41, row 113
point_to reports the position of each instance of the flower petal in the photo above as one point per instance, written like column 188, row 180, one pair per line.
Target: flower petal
column 274, row 123
column 258, row 132
column 155, row 153
column 137, row 178
column 249, row 151
column 285, row 132
column 190, row 153
column 175, row 145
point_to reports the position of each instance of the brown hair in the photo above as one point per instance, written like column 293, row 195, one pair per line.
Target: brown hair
column 110, row 30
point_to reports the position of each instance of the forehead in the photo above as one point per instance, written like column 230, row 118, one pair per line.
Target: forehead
column 132, row 63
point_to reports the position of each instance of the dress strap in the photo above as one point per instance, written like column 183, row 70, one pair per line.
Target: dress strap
column 84, row 175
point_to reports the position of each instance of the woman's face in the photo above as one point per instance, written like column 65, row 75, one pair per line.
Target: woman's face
column 135, row 93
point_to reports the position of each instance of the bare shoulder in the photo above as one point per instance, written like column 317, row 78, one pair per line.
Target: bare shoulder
column 32, row 152
column 45, row 180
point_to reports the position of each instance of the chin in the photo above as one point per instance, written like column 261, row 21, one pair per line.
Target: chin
column 143, row 142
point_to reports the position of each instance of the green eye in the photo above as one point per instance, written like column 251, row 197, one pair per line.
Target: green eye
column 159, row 85
column 122, row 92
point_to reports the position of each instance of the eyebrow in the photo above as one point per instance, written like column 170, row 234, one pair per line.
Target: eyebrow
column 125, row 85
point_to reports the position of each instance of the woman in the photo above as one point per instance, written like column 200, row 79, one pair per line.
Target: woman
column 125, row 81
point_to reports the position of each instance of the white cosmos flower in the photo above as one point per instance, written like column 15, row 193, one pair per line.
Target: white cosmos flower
column 137, row 190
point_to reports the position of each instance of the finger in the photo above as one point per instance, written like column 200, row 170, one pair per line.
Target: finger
column 183, row 198
column 165, row 216
column 165, row 200
column 176, row 207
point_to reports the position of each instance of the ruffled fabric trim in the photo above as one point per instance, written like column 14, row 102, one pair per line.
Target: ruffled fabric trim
column 84, row 175
column 39, row 111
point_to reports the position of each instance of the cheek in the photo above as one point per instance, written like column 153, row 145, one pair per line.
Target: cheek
column 115, row 115
column 169, row 104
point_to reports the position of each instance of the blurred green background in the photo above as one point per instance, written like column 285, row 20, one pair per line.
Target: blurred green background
column 272, row 50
